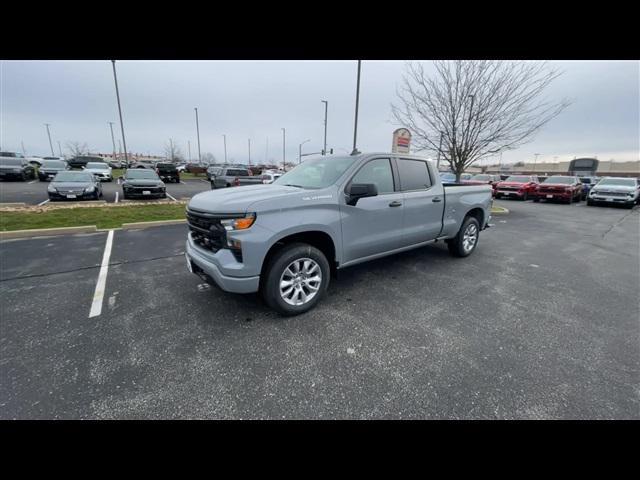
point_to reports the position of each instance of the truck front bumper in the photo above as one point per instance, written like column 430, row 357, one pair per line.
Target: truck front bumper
column 211, row 265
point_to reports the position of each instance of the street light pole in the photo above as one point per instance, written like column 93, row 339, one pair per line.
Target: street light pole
column 300, row 151
column 124, row 142
column 355, row 127
column 224, row 137
column 59, row 148
column 535, row 161
column 198, row 132
column 49, row 135
column 249, row 152
column 189, row 147
column 283, row 148
column 326, row 107
column 113, row 141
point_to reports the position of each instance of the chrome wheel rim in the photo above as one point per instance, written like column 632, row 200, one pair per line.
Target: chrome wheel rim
column 300, row 282
column 470, row 237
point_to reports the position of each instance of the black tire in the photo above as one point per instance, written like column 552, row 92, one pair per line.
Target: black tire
column 536, row 199
column 456, row 247
column 24, row 177
column 590, row 202
column 270, row 284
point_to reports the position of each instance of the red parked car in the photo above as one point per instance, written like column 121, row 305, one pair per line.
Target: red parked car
column 558, row 187
column 518, row 186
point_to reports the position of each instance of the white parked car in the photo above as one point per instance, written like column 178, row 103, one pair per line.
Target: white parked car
column 270, row 177
column 100, row 170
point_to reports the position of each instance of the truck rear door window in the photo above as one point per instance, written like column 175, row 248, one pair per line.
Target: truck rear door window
column 414, row 175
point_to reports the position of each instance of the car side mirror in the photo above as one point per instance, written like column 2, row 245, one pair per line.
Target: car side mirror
column 356, row 191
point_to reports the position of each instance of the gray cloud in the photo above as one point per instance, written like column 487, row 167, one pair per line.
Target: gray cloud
column 255, row 99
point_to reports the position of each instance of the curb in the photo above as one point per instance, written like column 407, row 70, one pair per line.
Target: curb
column 157, row 223
column 43, row 232
column 502, row 211
column 2, row 205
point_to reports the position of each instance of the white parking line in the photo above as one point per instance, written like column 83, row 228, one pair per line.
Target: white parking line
column 116, row 198
column 182, row 182
column 171, row 197
column 32, row 181
column 42, row 203
column 203, row 180
column 98, row 296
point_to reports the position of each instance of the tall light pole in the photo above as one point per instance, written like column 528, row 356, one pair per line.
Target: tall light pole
column 59, row 148
column 535, row 161
column 300, row 151
column 198, row 132
column 355, row 126
column 266, row 153
column 113, row 140
column 283, row 148
column 224, row 138
column 49, row 135
column 326, row 107
column 249, row 152
column 124, row 142
column 189, row 147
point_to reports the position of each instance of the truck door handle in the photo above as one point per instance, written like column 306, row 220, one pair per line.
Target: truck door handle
column 395, row 203
column 436, row 199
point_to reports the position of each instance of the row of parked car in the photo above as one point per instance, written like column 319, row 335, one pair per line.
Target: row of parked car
column 564, row 188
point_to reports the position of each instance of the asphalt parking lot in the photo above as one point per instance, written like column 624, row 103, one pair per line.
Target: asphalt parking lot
column 34, row 192
column 541, row 322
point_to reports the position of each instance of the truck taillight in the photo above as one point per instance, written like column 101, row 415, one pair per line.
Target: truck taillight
column 236, row 182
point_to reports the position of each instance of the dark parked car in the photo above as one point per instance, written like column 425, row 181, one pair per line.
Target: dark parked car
column 168, row 172
column 142, row 183
column 50, row 168
column 74, row 185
column 82, row 160
column 16, row 168
column 587, row 184
column 559, row 187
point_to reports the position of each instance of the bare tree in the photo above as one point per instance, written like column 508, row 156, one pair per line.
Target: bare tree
column 470, row 109
column 172, row 151
column 208, row 157
column 77, row 149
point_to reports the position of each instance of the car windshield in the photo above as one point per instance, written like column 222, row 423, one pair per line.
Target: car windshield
column 564, row 180
column 97, row 165
column 144, row 174
column 80, row 177
column 621, row 182
column 316, row 173
column 53, row 164
column 10, row 162
column 518, row 179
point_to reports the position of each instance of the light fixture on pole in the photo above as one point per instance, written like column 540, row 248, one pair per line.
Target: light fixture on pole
column 49, row 135
column 115, row 78
column 326, row 107
column 300, row 151
column 355, row 126
column 198, row 133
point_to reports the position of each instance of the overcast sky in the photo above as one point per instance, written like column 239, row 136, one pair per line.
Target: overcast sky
column 255, row 99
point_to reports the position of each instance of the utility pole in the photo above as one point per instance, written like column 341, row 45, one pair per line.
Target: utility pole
column 439, row 149
column 124, row 142
column 224, row 137
column 300, row 151
column 113, row 141
column 198, row 132
column 266, row 153
column 283, row 149
column 249, row 152
column 189, row 147
column 60, row 148
column 24, row 152
column 49, row 135
column 326, row 107
column 535, row 161
column 355, row 127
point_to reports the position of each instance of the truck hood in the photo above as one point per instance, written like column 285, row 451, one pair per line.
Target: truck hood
column 512, row 184
column 239, row 199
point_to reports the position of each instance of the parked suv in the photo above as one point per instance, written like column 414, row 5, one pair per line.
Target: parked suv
column 234, row 177
column 142, row 183
column 558, row 187
column 168, row 172
column 82, row 160
column 517, row 186
column 620, row 190
column 16, row 167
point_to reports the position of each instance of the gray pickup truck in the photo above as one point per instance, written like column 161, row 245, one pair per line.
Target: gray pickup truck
column 232, row 177
column 287, row 238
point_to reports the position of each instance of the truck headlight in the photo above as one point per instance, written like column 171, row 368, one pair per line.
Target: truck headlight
column 239, row 223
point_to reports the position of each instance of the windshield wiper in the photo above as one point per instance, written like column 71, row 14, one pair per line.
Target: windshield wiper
column 291, row 185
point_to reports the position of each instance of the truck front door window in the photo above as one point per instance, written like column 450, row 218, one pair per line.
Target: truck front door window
column 377, row 172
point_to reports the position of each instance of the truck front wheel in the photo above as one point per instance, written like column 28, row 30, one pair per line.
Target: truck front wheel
column 465, row 242
column 295, row 279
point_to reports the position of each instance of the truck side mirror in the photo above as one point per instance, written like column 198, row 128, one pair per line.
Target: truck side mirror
column 356, row 191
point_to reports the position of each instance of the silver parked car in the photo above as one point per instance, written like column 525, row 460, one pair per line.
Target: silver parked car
column 101, row 170
column 611, row 190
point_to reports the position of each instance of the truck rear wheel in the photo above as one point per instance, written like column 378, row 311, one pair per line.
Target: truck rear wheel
column 295, row 279
column 465, row 242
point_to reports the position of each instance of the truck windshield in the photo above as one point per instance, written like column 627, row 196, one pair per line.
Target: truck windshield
column 316, row 173
column 561, row 180
column 518, row 179
column 10, row 162
column 622, row 182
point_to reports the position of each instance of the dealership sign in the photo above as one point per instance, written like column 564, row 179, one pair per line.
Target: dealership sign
column 401, row 141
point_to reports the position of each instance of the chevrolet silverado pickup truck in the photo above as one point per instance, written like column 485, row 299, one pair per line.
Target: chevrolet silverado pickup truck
column 517, row 186
column 612, row 190
column 287, row 238
column 233, row 177
column 559, row 187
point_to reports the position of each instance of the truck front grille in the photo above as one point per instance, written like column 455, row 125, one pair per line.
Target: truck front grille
column 206, row 229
